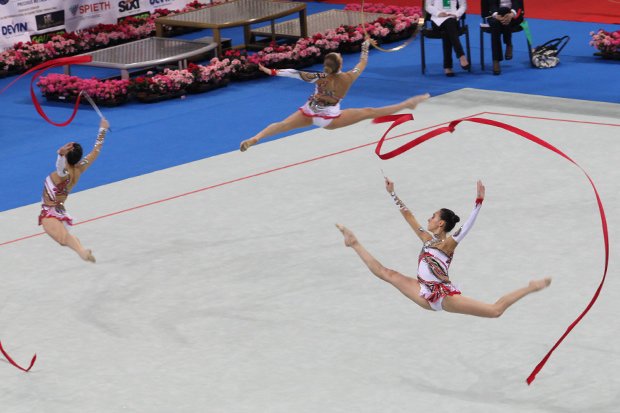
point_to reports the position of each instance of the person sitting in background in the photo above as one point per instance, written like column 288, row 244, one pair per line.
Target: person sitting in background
column 445, row 16
column 503, row 16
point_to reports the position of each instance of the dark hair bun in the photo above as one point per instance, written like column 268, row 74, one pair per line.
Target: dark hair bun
column 75, row 154
column 450, row 217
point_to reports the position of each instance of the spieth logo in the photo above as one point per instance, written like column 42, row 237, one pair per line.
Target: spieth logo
column 14, row 28
column 90, row 7
column 128, row 5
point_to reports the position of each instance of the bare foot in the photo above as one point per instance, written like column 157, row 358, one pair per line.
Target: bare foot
column 349, row 237
column 411, row 103
column 87, row 255
column 247, row 143
column 538, row 285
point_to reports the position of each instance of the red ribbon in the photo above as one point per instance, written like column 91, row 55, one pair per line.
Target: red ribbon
column 399, row 119
column 5, row 354
column 38, row 71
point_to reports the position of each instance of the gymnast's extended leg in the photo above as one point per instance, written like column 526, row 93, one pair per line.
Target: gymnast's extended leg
column 465, row 305
column 294, row 121
column 351, row 116
column 56, row 229
column 406, row 285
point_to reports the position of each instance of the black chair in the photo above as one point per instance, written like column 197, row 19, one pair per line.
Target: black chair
column 427, row 32
column 485, row 28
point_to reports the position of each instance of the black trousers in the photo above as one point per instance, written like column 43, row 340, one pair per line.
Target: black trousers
column 450, row 41
column 499, row 30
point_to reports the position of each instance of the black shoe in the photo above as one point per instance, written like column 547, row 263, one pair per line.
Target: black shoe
column 496, row 69
column 508, row 54
column 466, row 67
column 450, row 73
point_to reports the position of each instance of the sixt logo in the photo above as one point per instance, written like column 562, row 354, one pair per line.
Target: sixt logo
column 14, row 28
column 128, row 5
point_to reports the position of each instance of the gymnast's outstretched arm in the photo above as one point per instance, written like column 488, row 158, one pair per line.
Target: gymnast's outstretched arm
column 409, row 217
column 94, row 154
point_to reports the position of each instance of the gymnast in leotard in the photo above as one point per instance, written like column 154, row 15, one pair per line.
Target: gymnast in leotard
column 323, row 107
column 69, row 167
column 432, row 289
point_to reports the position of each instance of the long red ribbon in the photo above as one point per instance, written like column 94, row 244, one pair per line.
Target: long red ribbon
column 38, row 71
column 399, row 119
column 10, row 360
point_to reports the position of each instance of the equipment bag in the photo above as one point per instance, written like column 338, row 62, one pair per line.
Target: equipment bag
column 547, row 55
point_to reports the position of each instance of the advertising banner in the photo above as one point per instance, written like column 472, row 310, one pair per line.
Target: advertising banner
column 81, row 14
column 22, row 19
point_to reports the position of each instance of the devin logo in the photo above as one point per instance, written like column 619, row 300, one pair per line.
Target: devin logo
column 14, row 28
column 127, row 5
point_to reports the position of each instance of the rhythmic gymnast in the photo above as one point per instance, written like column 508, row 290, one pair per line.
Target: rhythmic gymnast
column 323, row 108
column 432, row 290
column 69, row 167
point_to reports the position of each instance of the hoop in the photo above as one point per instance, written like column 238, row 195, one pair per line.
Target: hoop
column 397, row 48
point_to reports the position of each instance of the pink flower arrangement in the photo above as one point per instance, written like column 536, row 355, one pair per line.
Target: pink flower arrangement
column 606, row 42
column 215, row 72
column 169, row 81
column 382, row 8
column 68, row 87
column 281, row 55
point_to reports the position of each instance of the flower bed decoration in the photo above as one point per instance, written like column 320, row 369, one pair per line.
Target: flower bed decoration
column 161, row 86
column 215, row 75
column 64, row 88
column 235, row 65
column 607, row 43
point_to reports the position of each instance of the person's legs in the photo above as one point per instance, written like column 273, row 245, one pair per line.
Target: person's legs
column 294, row 121
column 451, row 27
column 351, row 116
column 496, row 44
column 465, row 305
column 406, row 285
column 507, row 34
column 446, row 45
column 56, row 229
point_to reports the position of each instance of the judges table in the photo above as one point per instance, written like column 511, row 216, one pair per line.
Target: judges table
column 233, row 14
column 148, row 52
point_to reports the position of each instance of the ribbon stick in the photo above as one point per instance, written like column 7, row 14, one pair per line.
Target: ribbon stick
column 38, row 71
column 93, row 104
column 10, row 360
column 399, row 119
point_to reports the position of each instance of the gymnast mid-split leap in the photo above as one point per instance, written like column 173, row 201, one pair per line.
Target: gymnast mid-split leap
column 323, row 108
column 432, row 290
column 69, row 167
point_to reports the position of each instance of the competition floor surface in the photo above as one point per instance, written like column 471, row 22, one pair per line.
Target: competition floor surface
column 222, row 285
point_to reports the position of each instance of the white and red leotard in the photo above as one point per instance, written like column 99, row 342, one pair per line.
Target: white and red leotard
column 433, row 265
column 324, row 104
